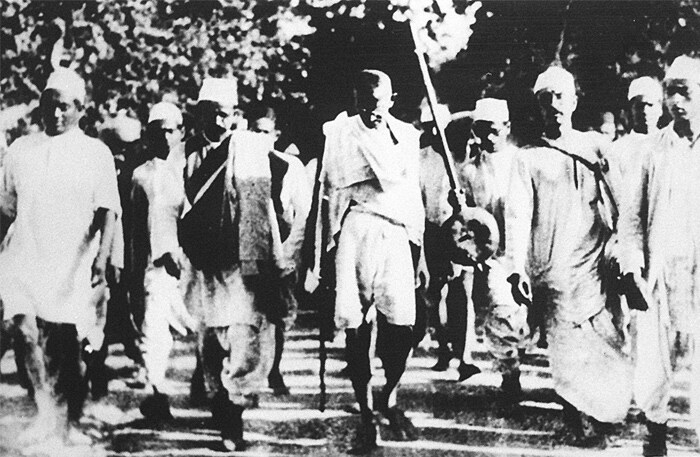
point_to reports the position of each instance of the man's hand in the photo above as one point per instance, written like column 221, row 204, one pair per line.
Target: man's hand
column 167, row 261
column 99, row 268
column 422, row 279
column 520, row 288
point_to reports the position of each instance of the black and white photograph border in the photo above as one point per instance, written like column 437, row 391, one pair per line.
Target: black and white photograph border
column 301, row 57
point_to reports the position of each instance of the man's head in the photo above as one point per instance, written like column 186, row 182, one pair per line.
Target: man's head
column 491, row 124
column 608, row 126
column 555, row 90
column 216, row 103
column 646, row 97
column 164, row 131
column 374, row 97
column 682, row 89
column 63, row 101
column 265, row 122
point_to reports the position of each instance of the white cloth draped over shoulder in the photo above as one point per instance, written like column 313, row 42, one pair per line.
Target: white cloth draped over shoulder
column 376, row 171
column 54, row 185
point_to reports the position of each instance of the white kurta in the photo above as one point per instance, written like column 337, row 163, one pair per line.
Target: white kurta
column 555, row 232
column 159, row 186
column 624, row 156
column 486, row 180
column 54, row 185
column 660, row 234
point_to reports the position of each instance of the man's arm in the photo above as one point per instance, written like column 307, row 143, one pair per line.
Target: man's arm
column 104, row 221
column 107, row 207
column 300, row 199
column 632, row 223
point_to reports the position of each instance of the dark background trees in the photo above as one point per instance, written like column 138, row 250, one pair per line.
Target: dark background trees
column 300, row 56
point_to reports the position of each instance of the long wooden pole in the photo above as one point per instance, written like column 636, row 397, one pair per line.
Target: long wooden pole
column 433, row 103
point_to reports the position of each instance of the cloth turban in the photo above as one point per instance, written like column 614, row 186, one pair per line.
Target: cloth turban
column 557, row 79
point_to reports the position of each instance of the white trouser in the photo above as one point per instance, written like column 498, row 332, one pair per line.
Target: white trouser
column 162, row 293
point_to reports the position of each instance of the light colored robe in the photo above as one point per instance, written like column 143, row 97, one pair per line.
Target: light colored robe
column 555, row 233
column 660, row 235
column 53, row 186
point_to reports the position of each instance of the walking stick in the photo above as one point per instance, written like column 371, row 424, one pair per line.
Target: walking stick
column 322, row 373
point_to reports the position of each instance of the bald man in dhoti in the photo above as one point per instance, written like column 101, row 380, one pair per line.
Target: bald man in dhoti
column 60, row 186
column 559, row 216
column 370, row 179
column 660, row 240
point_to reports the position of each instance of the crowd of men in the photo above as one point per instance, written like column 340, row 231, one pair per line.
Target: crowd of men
column 587, row 247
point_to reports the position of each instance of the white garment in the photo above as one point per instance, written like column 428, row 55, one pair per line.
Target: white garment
column 624, row 154
column 374, row 272
column 486, row 180
column 158, row 185
column 376, row 169
column 555, row 233
column 54, row 185
column 660, row 235
column 295, row 196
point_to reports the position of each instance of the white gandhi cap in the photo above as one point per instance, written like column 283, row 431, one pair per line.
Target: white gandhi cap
column 684, row 67
column 221, row 90
column 165, row 111
column 646, row 86
column 556, row 79
column 68, row 81
column 491, row 110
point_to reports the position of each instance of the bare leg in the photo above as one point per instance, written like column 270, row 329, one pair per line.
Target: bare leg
column 26, row 333
column 393, row 348
column 275, row 379
column 358, row 343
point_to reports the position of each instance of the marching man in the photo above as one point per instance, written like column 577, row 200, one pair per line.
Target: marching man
column 61, row 188
column 370, row 178
column 660, row 238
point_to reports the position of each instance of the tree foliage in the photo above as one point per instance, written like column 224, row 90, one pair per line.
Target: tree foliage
column 299, row 56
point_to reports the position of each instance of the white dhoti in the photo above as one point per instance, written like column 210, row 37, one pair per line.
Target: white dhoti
column 374, row 272
column 590, row 368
